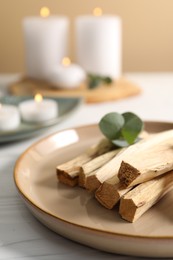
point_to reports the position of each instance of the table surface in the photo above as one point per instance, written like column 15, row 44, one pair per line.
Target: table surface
column 21, row 235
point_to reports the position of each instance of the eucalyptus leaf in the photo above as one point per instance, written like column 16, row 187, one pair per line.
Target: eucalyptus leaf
column 122, row 142
column 95, row 80
column 121, row 129
column 132, row 127
column 111, row 125
column 107, row 80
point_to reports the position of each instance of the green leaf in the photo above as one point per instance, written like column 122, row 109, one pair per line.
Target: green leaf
column 132, row 127
column 111, row 125
column 107, row 80
column 122, row 142
column 96, row 80
column 122, row 130
column 94, row 83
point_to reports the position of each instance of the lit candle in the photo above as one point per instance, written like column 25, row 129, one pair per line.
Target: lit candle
column 38, row 110
column 9, row 117
column 98, row 41
column 45, row 43
column 68, row 75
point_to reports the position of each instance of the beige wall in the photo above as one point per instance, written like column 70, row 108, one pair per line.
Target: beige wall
column 147, row 30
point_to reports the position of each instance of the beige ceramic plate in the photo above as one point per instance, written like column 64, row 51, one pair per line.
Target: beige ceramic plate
column 75, row 214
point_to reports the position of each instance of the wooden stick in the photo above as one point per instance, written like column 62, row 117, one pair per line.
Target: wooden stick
column 103, row 146
column 89, row 168
column 91, row 182
column 70, row 175
column 110, row 169
column 107, row 176
column 102, row 194
column 137, row 201
column 68, row 172
column 94, row 179
column 152, row 159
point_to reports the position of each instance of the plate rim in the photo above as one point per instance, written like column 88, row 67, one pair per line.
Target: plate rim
column 31, row 202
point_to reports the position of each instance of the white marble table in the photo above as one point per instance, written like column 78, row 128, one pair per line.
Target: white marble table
column 21, row 235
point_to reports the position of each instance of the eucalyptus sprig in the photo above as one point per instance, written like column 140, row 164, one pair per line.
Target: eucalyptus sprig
column 96, row 80
column 121, row 129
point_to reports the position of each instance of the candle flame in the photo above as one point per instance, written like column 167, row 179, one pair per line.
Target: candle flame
column 66, row 61
column 44, row 11
column 38, row 98
column 97, row 11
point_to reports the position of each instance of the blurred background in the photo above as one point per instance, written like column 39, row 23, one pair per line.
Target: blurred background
column 147, row 30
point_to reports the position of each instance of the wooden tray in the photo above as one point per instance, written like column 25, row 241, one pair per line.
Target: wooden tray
column 117, row 90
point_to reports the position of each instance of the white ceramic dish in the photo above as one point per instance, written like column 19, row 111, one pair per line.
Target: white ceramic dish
column 75, row 214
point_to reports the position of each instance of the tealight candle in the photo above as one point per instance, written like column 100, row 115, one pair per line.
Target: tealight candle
column 38, row 110
column 98, row 41
column 45, row 43
column 68, row 75
column 9, row 117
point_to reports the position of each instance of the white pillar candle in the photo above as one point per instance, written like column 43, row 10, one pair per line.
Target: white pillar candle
column 9, row 117
column 38, row 110
column 68, row 75
column 45, row 44
column 98, row 44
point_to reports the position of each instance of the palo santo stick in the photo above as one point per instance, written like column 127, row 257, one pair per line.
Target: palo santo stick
column 108, row 170
column 94, row 164
column 103, row 146
column 153, row 159
column 69, row 175
column 68, row 172
column 137, row 201
column 109, row 193
column 102, row 194
column 91, row 182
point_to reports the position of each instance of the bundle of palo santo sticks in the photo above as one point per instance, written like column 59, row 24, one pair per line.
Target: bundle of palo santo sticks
column 136, row 176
